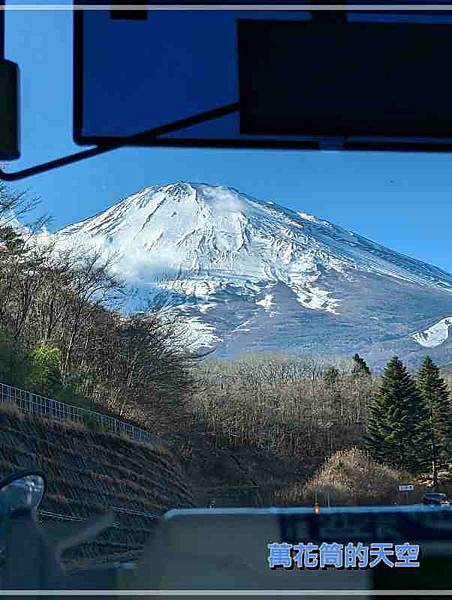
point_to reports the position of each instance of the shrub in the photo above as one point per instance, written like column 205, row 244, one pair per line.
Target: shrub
column 45, row 373
column 349, row 477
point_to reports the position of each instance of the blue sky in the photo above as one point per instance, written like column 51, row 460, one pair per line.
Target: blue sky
column 400, row 200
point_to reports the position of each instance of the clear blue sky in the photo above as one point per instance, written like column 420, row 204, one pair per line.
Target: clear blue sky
column 400, row 200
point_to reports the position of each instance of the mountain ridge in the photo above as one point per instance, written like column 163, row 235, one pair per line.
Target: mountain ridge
column 226, row 254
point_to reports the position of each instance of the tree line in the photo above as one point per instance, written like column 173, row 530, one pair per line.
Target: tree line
column 287, row 406
column 311, row 407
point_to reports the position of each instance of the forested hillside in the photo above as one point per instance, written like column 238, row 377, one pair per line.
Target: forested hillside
column 293, row 428
column 63, row 335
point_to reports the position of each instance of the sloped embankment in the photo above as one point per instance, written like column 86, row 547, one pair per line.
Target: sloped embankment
column 88, row 472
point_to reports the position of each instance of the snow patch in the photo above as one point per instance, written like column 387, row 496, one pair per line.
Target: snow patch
column 242, row 327
column 435, row 335
column 203, row 308
column 308, row 217
column 316, row 299
column 192, row 331
column 266, row 302
column 200, row 334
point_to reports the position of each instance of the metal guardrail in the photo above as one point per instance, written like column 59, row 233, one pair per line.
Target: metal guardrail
column 115, row 509
column 40, row 405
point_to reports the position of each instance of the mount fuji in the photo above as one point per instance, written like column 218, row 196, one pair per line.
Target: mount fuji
column 253, row 277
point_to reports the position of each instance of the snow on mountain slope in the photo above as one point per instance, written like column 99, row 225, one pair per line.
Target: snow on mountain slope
column 205, row 238
column 435, row 335
column 240, row 260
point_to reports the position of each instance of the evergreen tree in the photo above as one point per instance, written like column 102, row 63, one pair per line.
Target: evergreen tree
column 398, row 429
column 331, row 376
column 360, row 368
column 11, row 240
column 434, row 392
column 14, row 360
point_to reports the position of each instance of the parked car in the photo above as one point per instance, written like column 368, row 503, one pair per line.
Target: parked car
column 435, row 499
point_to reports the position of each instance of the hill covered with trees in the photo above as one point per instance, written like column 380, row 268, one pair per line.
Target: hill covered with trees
column 62, row 333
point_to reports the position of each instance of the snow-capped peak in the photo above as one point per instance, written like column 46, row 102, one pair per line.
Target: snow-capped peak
column 239, row 267
column 202, row 239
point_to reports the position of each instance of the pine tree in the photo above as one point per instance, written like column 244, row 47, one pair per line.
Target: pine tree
column 14, row 360
column 11, row 240
column 398, row 429
column 331, row 376
column 360, row 368
column 434, row 392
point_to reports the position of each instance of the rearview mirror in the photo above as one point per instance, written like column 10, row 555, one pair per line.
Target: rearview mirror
column 22, row 491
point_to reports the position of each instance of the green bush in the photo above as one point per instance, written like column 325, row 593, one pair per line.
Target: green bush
column 45, row 372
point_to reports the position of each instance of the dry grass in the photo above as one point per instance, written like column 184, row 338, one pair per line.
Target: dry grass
column 349, row 477
column 11, row 409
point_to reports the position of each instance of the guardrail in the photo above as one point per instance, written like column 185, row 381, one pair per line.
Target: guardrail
column 115, row 509
column 40, row 405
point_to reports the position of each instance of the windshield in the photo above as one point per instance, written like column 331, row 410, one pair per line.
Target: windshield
column 271, row 326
